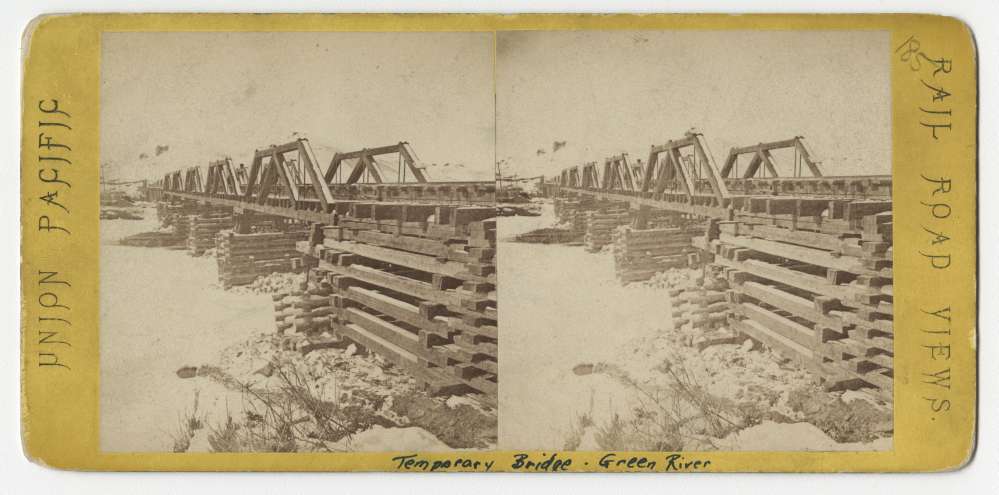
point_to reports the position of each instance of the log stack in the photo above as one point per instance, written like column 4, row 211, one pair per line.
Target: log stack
column 574, row 213
column 204, row 228
column 308, row 310
column 545, row 236
column 152, row 239
column 244, row 257
column 182, row 228
column 600, row 227
column 416, row 284
column 699, row 308
column 167, row 211
column 571, row 212
column 822, row 297
column 641, row 253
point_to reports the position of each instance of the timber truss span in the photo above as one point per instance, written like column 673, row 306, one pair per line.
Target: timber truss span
column 682, row 175
column 800, row 263
column 286, row 180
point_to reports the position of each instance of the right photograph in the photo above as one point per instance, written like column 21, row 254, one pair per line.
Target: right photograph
column 698, row 252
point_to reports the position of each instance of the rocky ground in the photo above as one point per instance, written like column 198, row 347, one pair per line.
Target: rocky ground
column 334, row 400
column 694, row 394
column 338, row 398
column 270, row 284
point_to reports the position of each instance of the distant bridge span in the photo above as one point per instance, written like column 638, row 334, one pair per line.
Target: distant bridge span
column 286, row 180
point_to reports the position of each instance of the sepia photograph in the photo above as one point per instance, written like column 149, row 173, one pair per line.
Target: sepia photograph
column 707, row 265
column 277, row 243
column 297, row 242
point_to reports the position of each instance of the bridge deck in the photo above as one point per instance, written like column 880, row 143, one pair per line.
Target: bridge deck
column 828, row 204
column 311, row 209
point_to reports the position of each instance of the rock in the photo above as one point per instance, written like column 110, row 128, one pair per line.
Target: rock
column 748, row 345
column 376, row 373
column 350, row 350
column 458, row 400
column 853, row 395
column 187, row 372
column 266, row 370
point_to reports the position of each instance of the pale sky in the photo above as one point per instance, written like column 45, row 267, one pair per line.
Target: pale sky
column 609, row 92
column 208, row 95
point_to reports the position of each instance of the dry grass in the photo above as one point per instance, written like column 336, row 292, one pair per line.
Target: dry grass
column 188, row 423
column 289, row 419
column 668, row 416
column 576, row 431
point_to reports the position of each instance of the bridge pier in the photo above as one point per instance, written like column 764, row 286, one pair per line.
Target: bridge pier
column 414, row 283
column 822, row 300
column 601, row 224
column 641, row 253
column 242, row 258
column 205, row 225
column 590, row 217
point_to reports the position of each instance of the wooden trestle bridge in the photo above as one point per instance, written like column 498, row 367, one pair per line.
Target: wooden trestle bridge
column 407, row 267
column 804, row 261
column 402, row 266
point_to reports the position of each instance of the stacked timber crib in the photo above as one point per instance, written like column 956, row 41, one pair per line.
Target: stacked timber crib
column 307, row 312
column 600, row 226
column 168, row 211
column 571, row 211
column 194, row 225
column 416, row 284
column 244, row 257
column 590, row 219
column 816, row 288
column 178, row 217
column 641, row 253
column 203, row 228
column 701, row 308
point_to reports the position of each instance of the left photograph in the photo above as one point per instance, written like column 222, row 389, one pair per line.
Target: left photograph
column 298, row 242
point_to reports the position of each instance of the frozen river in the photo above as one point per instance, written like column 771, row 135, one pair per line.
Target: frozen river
column 162, row 310
column 562, row 306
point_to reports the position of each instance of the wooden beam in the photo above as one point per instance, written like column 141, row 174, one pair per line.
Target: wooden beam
column 319, row 185
column 803, row 254
column 415, row 261
column 768, row 160
column 713, row 175
column 287, row 175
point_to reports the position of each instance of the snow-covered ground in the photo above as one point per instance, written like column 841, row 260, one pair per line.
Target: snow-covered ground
column 771, row 436
column 561, row 307
column 162, row 310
